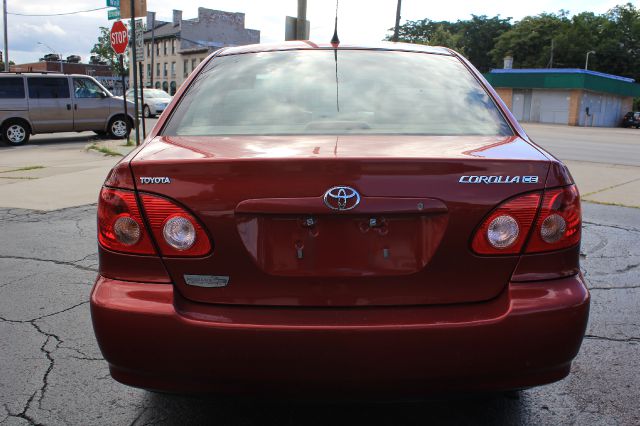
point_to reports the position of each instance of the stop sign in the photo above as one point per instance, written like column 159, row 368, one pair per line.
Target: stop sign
column 119, row 37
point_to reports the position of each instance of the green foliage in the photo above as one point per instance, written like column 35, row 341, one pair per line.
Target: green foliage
column 102, row 49
column 614, row 36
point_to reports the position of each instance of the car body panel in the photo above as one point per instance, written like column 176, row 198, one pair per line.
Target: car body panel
column 444, row 319
column 343, row 262
column 154, row 338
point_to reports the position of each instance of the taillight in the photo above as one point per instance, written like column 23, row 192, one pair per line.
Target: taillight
column 176, row 231
column 559, row 223
column 120, row 225
column 506, row 229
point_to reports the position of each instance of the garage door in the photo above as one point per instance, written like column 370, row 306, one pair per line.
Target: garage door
column 550, row 106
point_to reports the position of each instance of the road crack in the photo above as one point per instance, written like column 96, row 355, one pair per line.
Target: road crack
column 57, row 262
column 612, row 339
column 611, row 226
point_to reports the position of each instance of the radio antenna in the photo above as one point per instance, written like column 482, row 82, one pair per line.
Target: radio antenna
column 335, row 40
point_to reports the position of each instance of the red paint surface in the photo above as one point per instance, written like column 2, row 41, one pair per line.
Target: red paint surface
column 428, row 315
column 153, row 337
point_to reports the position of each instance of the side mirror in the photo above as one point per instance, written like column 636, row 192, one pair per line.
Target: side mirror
column 102, row 95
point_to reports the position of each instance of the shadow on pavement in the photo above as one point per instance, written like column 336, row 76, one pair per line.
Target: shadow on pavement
column 492, row 409
column 52, row 139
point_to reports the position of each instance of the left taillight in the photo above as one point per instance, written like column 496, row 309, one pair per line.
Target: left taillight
column 177, row 232
column 120, row 224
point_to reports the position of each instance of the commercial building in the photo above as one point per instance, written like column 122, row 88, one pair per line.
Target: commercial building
column 176, row 48
column 565, row 96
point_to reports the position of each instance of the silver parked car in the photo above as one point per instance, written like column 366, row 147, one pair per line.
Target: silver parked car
column 32, row 103
column 155, row 101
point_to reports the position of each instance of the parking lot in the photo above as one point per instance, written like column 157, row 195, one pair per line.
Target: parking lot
column 52, row 372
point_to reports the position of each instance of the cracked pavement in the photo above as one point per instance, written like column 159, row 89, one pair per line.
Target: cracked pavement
column 52, row 372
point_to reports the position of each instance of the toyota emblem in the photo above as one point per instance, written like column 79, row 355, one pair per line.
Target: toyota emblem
column 341, row 198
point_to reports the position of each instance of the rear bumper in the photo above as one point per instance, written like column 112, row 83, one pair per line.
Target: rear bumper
column 153, row 338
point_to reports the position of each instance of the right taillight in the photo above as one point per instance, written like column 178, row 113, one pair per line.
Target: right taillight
column 559, row 222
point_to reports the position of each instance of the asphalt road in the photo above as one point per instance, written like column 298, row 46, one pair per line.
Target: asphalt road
column 598, row 145
column 52, row 372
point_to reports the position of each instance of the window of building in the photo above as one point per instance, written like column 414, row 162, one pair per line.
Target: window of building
column 157, row 84
column 48, row 88
column 173, row 46
column 165, row 47
column 201, row 59
column 165, row 86
column 148, row 49
column 172, row 88
column 164, row 69
column 173, row 69
column 158, row 49
column 148, row 70
column 158, row 69
column 12, row 88
column 185, row 68
column 193, row 64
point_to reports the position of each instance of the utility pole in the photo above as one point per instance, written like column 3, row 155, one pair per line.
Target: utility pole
column 396, row 30
column 301, row 25
column 153, row 43
column 6, row 42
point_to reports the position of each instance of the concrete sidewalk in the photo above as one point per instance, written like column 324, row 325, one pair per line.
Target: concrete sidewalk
column 607, row 183
column 56, row 176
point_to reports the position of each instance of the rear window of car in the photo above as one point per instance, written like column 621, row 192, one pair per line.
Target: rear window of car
column 326, row 91
column 11, row 88
column 48, row 88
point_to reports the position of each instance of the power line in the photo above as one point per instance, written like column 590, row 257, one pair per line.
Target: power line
column 58, row 14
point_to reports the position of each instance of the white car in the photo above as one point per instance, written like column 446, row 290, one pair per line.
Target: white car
column 155, row 101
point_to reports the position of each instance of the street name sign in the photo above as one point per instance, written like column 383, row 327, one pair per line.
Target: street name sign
column 113, row 3
column 119, row 37
column 113, row 14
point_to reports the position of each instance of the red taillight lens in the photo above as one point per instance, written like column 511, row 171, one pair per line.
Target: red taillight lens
column 559, row 222
column 507, row 227
column 120, row 225
column 176, row 231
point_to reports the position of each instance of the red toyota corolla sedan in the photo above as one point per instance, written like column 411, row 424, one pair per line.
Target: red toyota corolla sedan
column 338, row 220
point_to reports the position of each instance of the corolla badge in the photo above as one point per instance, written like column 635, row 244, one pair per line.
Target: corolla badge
column 498, row 179
column 341, row 198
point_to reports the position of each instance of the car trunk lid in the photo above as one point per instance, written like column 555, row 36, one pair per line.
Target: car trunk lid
column 276, row 242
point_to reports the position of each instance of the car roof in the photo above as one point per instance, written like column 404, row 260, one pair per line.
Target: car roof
column 41, row 74
column 309, row 45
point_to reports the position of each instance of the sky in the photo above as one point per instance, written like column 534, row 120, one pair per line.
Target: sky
column 359, row 21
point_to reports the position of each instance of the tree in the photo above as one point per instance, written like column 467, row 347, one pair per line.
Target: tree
column 529, row 40
column 473, row 38
column 478, row 37
column 102, row 49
